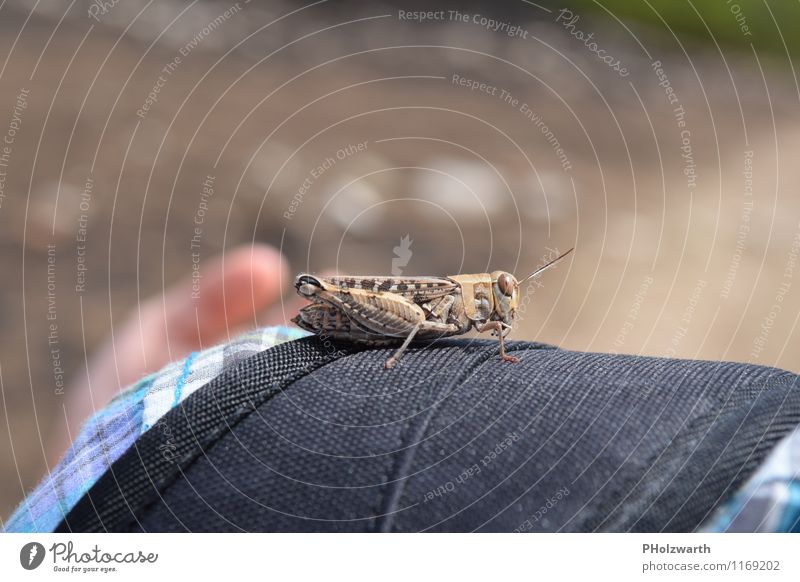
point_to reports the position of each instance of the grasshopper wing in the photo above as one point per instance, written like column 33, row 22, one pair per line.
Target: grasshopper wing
column 416, row 289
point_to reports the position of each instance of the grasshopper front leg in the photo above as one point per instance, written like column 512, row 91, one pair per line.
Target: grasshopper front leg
column 497, row 326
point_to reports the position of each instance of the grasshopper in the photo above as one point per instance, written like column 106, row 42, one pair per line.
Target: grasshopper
column 380, row 311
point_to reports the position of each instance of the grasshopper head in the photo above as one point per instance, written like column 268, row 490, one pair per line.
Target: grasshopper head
column 505, row 288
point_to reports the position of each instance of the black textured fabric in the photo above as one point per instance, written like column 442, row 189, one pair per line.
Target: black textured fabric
column 452, row 439
column 159, row 456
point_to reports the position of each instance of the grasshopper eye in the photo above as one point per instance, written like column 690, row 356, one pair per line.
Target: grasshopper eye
column 505, row 283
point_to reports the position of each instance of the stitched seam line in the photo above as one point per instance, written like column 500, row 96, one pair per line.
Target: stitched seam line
column 392, row 497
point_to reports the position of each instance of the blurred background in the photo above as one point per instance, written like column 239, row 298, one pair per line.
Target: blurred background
column 659, row 138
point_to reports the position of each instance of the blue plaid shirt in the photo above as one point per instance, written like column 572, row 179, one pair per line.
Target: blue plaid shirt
column 111, row 431
column 770, row 500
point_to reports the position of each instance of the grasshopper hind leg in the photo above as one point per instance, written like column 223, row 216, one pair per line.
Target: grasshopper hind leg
column 329, row 322
column 396, row 356
column 428, row 330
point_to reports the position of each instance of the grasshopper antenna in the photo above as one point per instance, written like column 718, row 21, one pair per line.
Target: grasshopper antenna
column 547, row 266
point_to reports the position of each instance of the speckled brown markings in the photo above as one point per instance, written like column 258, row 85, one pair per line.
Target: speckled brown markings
column 384, row 310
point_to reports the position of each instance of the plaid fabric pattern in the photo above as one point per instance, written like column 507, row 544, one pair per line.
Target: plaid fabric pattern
column 770, row 500
column 112, row 430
